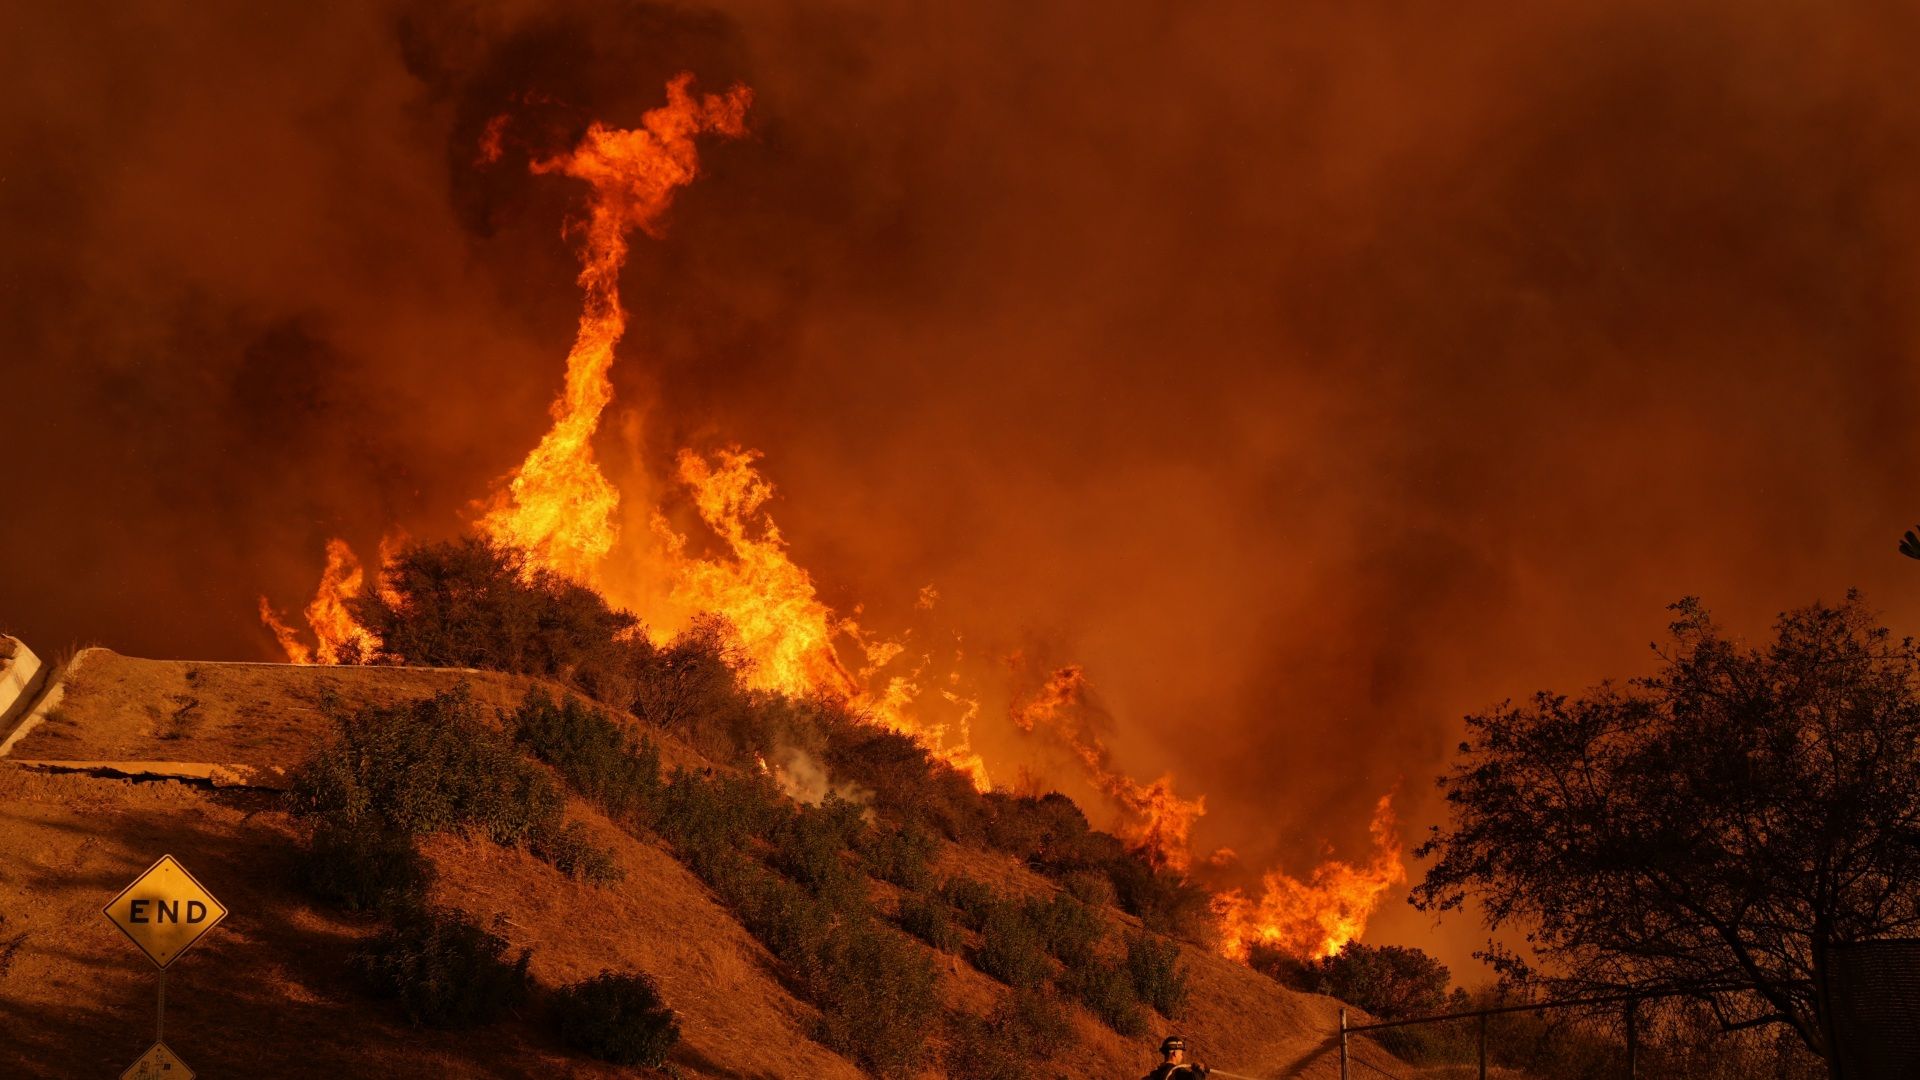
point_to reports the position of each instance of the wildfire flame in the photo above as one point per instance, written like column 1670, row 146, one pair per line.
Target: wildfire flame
column 786, row 633
column 784, row 629
column 1315, row 918
column 559, row 507
column 338, row 638
column 1154, row 819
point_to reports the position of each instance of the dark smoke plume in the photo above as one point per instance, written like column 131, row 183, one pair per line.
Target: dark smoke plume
column 1310, row 373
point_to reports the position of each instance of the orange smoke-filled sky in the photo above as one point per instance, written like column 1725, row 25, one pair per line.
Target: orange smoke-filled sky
column 1310, row 373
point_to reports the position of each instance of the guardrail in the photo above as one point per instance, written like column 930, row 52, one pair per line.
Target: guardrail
column 1630, row 1001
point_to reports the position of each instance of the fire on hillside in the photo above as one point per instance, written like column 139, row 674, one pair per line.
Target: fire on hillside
column 561, row 509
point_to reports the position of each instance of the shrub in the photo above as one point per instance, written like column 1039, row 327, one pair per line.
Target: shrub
column 362, row 867
column 930, row 920
column 1010, row 947
column 909, row 785
column 1011, row 825
column 1283, row 967
column 1025, row 1027
column 1390, row 981
column 794, row 925
column 1090, row 888
column 1166, row 902
column 424, row 767
column 1034, row 1021
column 473, row 603
column 1107, row 991
column 877, row 999
column 446, row 972
column 617, row 1018
column 1069, row 929
column 972, row 899
column 597, row 756
column 574, row 853
column 902, row 856
column 692, row 688
column 1158, row 979
column 811, row 847
column 705, row 815
column 976, row 1050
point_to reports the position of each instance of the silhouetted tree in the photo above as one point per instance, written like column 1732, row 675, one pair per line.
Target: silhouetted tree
column 1722, row 822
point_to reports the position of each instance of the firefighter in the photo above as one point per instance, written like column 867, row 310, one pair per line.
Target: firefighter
column 1175, row 1066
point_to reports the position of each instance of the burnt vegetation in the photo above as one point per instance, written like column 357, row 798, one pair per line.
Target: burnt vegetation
column 844, row 895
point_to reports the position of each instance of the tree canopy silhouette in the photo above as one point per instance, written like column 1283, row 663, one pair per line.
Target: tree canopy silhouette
column 1723, row 821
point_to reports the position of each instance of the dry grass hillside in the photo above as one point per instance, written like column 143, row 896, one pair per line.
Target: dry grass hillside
column 85, row 806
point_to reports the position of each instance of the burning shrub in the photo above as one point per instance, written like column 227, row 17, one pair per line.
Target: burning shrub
column 1010, row 947
column 877, row 999
column 930, row 920
column 594, row 752
column 1158, row 979
column 1106, row 989
column 692, row 688
column 617, row 1018
column 903, row 856
column 1068, row 929
column 446, row 972
column 474, row 603
column 574, row 853
column 363, row 867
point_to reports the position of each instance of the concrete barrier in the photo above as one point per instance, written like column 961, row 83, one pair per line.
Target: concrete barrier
column 39, row 697
column 19, row 672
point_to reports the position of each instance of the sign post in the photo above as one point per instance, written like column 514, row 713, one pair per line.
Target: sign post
column 164, row 912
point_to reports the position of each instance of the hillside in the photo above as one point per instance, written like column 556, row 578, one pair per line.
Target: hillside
column 127, row 759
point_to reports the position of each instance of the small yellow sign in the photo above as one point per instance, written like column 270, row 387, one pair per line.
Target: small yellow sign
column 165, row 911
column 158, row 1063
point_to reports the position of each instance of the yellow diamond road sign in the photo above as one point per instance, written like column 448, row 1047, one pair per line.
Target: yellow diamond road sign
column 159, row 1063
column 165, row 911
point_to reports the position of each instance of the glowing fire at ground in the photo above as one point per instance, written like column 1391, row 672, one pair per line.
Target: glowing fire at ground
column 1315, row 918
column 338, row 639
column 560, row 508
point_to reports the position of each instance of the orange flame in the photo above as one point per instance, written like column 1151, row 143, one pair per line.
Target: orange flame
column 785, row 631
column 786, row 634
column 1315, row 918
column 1155, row 820
column 558, row 506
column 338, row 638
column 289, row 639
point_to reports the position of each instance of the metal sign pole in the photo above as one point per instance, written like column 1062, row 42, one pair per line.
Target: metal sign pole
column 1483, row 1046
column 1343, row 1044
column 160, row 1013
column 1633, row 1039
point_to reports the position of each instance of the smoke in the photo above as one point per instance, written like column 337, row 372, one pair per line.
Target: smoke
column 1309, row 375
column 804, row 779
